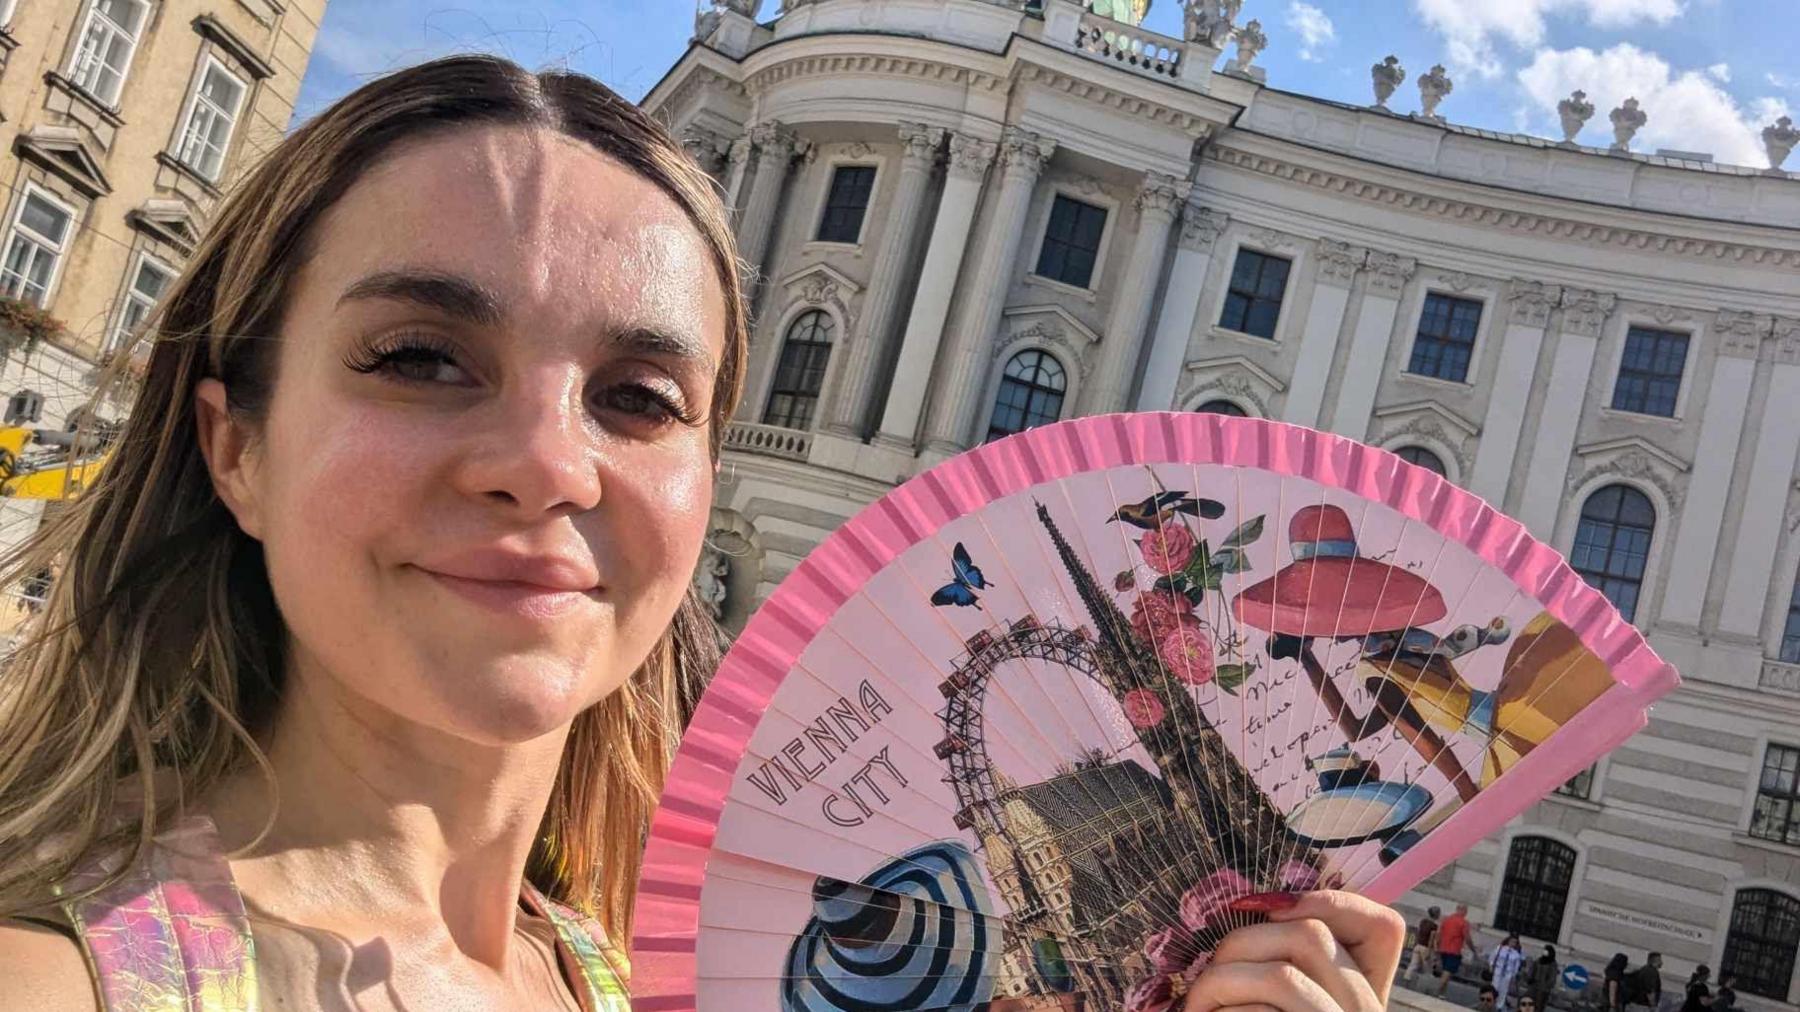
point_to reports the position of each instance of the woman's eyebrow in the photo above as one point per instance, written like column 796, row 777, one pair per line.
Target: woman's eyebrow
column 452, row 294
column 654, row 341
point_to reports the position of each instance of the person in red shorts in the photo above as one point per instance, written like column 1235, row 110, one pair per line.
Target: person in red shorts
column 1452, row 941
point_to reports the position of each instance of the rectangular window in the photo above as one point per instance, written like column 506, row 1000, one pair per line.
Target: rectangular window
column 1650, row 372
column 1581, row 785
column 847, row 203
column 1777, row 813
column 210, row 120
column 109, row 38
column 147, row 285
column 1446, row 339
column 1253, row 299
column 34, row 245
column 1071, row 242
column 1790, row 633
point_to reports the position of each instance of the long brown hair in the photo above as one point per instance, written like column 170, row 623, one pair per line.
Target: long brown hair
column 158, row 659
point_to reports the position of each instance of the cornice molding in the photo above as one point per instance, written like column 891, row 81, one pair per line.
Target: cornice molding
column 909, row 67
column 1509, row 219
column 1099, row 94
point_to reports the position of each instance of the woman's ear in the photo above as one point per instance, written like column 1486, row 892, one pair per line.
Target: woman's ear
column 226, row 445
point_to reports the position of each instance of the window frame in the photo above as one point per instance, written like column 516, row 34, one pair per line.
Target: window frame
column 15, row 222
column 1006, row 359
column 1107, row 206
column 862, row 226
column 788, row 328
column 1287, row 283
column 1676, row 410
column 1728, row 915
column 1577, row 866
column 73, row 68
column 1758, row 766
column 1644, row 577
column 196, row 95
column 1484, row 307
column 1237, row 409
column 1442, row 469
column 118, row 332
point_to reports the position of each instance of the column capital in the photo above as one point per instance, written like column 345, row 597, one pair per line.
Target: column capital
column 1201, row 227
column 919, row 144
column 1741, row 332
column 1023, row 153
column 1339, row 261
column 1161, row 195
column 1787, row 340
column 704, row 146
column 970, row 156
column 1532, row 301
column 1388, row 271
column 739, row 152
column 774, row 141
column 1584, row 310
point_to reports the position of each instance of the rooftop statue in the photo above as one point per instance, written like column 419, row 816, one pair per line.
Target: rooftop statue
column 1432, row 89
column 1575, row 111
column 1386, row 76
column 1627, row 120
column 1210, row 22
column 1778, row 139
column 1250, row 41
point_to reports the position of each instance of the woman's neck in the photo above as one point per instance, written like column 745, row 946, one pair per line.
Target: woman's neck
column 384, row 827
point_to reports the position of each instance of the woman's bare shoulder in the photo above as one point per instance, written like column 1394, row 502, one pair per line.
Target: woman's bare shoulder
column 44, row 969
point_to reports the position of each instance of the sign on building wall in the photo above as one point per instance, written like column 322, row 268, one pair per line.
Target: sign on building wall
column 1645, row 922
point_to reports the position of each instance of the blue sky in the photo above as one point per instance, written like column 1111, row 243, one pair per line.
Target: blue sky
column 1709, row 73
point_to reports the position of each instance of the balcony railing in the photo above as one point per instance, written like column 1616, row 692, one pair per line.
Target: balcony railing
column 1781, row 677
column 1120, row 43
column 769, row 440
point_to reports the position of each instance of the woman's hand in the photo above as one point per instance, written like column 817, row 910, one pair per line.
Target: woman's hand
column 1321, row 952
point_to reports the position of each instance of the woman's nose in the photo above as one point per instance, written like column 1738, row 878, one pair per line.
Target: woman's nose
column 539, row 454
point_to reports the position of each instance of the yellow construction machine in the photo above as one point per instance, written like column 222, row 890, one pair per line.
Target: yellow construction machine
column 47, row 463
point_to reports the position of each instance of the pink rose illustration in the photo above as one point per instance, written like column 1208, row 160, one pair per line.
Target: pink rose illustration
column 1169, row 949
column 1156, row 613
column 1210, row 897
column 1197, row 967
column 1143, row 708
column 1187, row 652
column 1168, row 548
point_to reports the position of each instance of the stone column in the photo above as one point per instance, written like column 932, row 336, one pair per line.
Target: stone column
column 737, row 166
column 849, row 406
column 1530, row 305
column 1765, row 500
column 1200, row 229
column 1369, row 345
column 1583, row 314
column 1159, row 197
column 707, row 148
column 969, row 160
column 962, row 378
column 776, row 146
column 1739, row 338
column 1338, row 264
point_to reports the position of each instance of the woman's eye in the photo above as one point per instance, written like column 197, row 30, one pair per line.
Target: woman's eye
column 410, row 362
column 641, row 400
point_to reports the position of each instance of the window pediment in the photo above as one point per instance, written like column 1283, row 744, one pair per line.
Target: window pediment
column 61, row 150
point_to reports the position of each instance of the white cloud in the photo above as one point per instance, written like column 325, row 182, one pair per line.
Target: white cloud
column 1313, row 26
column 1687, row 111
column 1721, row 71
column 1471, row 27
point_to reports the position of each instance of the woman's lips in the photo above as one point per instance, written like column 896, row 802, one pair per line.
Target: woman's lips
column 527, row 600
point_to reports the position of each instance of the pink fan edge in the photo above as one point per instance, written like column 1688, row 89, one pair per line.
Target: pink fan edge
column 663, row 949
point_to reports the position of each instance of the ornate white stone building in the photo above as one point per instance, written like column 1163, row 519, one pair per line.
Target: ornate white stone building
column 968, row 217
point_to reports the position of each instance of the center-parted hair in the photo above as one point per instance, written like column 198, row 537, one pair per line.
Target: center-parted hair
column 160, row 654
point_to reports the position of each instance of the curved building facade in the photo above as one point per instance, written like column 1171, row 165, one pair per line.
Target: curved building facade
column 969, row 217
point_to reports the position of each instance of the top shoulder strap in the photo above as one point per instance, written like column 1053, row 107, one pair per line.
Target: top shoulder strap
column 588, row 955
column 171, row 935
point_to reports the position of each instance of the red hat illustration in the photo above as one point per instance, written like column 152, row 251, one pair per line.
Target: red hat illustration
column 1329, row 590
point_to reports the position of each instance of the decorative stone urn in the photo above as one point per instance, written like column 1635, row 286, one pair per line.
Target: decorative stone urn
column 1779, row 139
column 1627, row 120
column 1575, row 111
column 1386, row 76
column 1432, row 89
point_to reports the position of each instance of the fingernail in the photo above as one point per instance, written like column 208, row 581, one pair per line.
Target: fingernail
column 1263, row 903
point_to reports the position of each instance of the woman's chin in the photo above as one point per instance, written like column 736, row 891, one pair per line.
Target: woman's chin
column 514, row 700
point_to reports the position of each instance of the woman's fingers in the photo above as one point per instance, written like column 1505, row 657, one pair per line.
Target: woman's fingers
column 1279, row 985
column 1371, row 933
column 1310, row 947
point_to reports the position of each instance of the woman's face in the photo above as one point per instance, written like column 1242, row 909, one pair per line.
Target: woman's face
column 484, row 476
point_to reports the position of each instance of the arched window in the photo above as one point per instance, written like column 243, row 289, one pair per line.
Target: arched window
column 1031, row 393
column 800, row 371
column 1423, row 458
column 1612, row 544
column 1228, row 408
column 1759, row 948
column 1536, row 887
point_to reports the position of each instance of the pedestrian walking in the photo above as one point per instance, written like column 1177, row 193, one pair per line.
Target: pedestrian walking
column 1424, row 947
column 1540, row 978
column 1699, row 995
column 1505, row 961
column 1614, row 983
column 1453, row 938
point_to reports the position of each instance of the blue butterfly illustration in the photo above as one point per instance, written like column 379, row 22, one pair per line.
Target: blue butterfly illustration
column 965, row 581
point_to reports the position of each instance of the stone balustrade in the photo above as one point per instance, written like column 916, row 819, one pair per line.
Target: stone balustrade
column 1781, row 677
column 768, row 440
column 1120, row 43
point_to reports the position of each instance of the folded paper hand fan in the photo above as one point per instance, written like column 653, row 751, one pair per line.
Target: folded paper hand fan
column 1018, row 733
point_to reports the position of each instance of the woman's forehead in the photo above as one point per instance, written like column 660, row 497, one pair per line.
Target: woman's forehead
column 532, row 214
